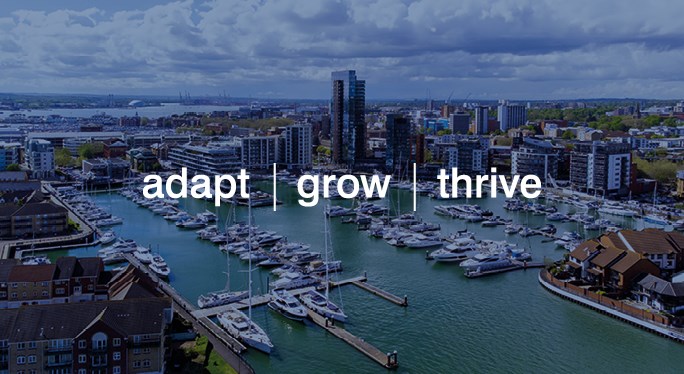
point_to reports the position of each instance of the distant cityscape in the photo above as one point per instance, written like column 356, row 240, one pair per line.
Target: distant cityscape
column 597, row 160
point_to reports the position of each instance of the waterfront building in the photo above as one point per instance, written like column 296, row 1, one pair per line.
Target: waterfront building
column 601, row 167
column 114, row 149
column 126, row 336
column 660, row 294
column 142, row 159
column 481, row 126
column 40, row 158
column 399, row 148
column 69, row 280
column 10, row 153
column 130, row 121
column 259, row 152
column 211, row 159
column 106, row 169
column 58, row 138
column 470, row 154
column 511, row 115
column 32, row 215
column 347, row 113
column 613, row 269
column 536, row 157
column 459, row 123
column 148, row 140
column 665, row 249
column 298, row 151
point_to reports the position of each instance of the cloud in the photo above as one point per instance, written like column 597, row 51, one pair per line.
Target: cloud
column 516, row 48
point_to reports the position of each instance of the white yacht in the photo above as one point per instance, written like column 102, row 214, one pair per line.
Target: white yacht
column 107, row 237
column 422, row 241
column 486, row 261
column 290, row 280
column 143, row 255
column 159, row 267
column 284, row 303
column 239, row 326
column 322, row 305
column 616, row 211
column 219, row 298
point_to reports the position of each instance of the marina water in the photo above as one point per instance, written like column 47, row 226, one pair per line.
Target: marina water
column 503, row 323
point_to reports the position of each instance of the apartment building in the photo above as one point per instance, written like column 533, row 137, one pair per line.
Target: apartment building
column 297, row 147
column 536, row 157
column 601, row 167
column 123, row 336
column 40, row 158
column 210, row 159
column 69, row 280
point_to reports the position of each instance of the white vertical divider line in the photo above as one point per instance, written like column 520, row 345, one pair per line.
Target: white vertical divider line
column 415, row 188
column 274, row 187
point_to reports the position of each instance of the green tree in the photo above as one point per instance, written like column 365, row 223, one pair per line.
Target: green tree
column 651, row 121
column 567, row 135
column 13, row 167
column 63, row 157
column 90, row 150
column 670, row 122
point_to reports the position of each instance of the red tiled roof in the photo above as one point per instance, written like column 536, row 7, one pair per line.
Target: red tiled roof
column 653, row 241
column 32, row 273
column 585, row 249
column 630, row 259
column 607, row 256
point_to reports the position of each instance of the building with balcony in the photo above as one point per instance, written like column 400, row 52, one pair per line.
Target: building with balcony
column 259, row 152
column 536, row 157
column 601, row 167
column 123, row 336
column 10, row 153
column 40, row 158
column 210, row 159
column 297, row 146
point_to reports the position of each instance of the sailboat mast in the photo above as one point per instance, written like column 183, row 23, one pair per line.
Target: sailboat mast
column 326, row 233
column 249, row 251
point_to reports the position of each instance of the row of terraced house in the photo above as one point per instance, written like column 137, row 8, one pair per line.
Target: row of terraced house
column 76, row 317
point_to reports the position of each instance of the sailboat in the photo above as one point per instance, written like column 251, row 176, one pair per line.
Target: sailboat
column 317, row 302
column 236, row 323
column 653, row 218
column 225, row 296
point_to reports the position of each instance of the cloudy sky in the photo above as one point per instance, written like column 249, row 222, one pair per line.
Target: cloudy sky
column 515, row 49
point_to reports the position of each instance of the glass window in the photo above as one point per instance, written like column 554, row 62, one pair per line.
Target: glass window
column 81, row 359
column 21, row 360
column 81, row 344
column 117, row 356
column 116, row 342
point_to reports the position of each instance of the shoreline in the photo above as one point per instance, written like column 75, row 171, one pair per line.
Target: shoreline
column 650, row 327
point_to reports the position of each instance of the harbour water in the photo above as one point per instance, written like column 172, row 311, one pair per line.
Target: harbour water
column 503, row 323
column 148, row 111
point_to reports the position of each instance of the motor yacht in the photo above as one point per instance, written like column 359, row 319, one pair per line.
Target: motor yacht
column 284, row 303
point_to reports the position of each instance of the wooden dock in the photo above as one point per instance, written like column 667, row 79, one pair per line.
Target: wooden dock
column 387, row 360
column 382, row 293
column 343, row 282
column 517, row 265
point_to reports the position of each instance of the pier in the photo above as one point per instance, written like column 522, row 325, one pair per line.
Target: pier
column 517, row 265
column 362, row 283
column 387, row 360
column 225, row 345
